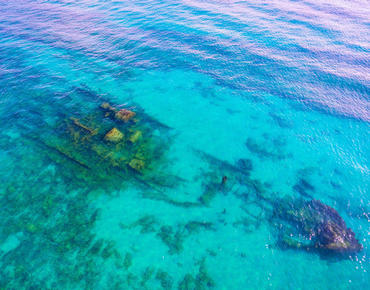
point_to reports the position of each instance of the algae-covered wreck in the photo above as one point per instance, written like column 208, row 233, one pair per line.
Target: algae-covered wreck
column 108, row 143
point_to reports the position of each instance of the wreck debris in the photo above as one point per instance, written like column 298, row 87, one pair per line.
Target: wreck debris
column 224, row 179
column 135, row 136
column 125, row 115
column 78, row 124
column 109, row 143
column 114, row 136
column 137, row 164
column 107, row 106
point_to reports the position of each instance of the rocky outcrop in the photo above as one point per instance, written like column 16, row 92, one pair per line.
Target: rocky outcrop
column 313, row 224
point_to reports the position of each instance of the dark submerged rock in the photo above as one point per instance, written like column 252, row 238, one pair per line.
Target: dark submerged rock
column 313, row 224
column 245, row 164
column 303, row 187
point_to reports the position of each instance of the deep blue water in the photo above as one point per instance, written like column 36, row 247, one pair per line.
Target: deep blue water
column 242, row 108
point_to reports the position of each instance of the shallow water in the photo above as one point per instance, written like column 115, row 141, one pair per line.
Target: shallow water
column 282, row 85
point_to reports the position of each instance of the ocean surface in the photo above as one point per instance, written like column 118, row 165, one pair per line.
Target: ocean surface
column 157, row 144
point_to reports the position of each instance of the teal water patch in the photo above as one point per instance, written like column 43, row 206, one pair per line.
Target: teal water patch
column 209, row 184
column 235, row 220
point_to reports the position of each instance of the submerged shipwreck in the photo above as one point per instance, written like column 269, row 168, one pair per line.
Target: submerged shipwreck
column 107, row 143
column 313, row 225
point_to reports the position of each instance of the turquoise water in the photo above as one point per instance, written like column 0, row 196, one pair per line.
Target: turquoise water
column 272, row 95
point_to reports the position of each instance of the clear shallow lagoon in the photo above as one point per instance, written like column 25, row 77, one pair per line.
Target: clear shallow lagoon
column 273, row 95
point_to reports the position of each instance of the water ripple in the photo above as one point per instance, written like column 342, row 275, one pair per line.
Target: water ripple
column 259, row 46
